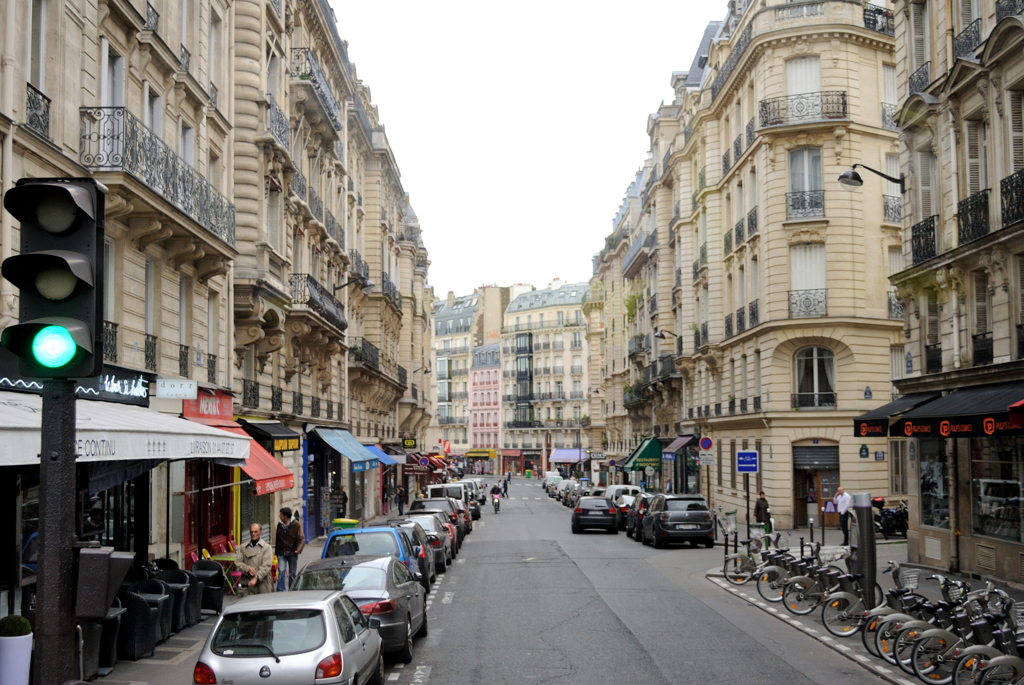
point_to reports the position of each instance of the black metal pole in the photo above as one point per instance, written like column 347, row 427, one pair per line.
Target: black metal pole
column 746, row 486
column 866, row 557
column 54, row 652
column 810, row 528
column 167, row 507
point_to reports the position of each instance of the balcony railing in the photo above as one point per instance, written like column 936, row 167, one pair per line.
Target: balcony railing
column 183, row 361
column 696, row 270
column 923, row 238
column 368, row 353
column 757, row 403
column 299, row 185
column 1011, row 191
column 753, row 317
column 805, row 204
column 37, row 110
column 933, row 358
column 752, row 221
column 725, row 163
column 889, row 114
column 879, row 19
column 213, row 95
column 334, row 229
column 305, row 67
column 727, row 243
column 738, row 230
column 808, row 400
column 314, row 407
column 804, row 304
column 149, row 353
column 919, row 80
column 732, row 406
column 276, row 399
column 634, row 250
column 892, row 209
column 789, row 109
column 743, row 405
column 112, row 139
column 277, row 123
column 185, row 60
column 731, row 62
column 718, row 408
column 1008, row 8
column 110, row 342
column 704, row 334
column 895, row 307
column 704, row 254
column 972, row 217
column 751, row 127
column 637, row 345
column 250, row 393
column 277, row 7
column 967, row 40
column 298, row 403
column 316, row 205
column 152, row 22
column 1020, row 341
column 702, row 180
column 741, row 319
column 211, row 368
column 737, row 148
column 308, row 291
column 728, row 325
column 696, row 340
column 982, row 343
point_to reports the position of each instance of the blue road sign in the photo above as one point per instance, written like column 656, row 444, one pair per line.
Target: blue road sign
column 746, row 462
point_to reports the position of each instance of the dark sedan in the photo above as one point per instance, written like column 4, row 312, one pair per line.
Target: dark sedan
column 595, row 512
column 622, row 504
column 678, row 518
column 446, row 504
column 636, row 515
column 382, row 588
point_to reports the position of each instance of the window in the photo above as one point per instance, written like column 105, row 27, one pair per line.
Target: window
column 187, row 144
column 919, row 33
column 150, row 295
column 997, row 467
column 807, row 279
column 968, row 13
column 815, row 378
column 37, row 44
column 889, row 96
column 934, row 483
column 931, row 321
column 154, row 112
column 981, row 303
column 803, row 75
column 926, row 181
column 215, row 61
column 977, row 156
column 898, row 467
column 274, row 218
column 109, row 279
column 112, row 84
column 896, row 363
column 1016, row 122
column 212, row 318
column 806, row 196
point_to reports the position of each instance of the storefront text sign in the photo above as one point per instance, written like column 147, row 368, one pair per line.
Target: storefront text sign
column 409, row 443
column 176, row 389
column 286, row 444
column 207, row 406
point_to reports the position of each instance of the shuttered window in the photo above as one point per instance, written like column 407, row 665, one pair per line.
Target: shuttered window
column 803, row 75
column 925, row 183
column 895, row 260
column 892, row 168
column 968, row 13
column 889, row 84
column 919, row 32
column 932, row 318
column 896, row 362
column 977, row 156
column 981, row 303
column 807, row 266
column 1016, row 99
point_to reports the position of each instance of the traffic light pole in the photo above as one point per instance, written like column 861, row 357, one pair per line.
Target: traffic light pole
column 54, row 634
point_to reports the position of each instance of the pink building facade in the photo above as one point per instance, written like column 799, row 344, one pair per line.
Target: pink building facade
column 485, row 398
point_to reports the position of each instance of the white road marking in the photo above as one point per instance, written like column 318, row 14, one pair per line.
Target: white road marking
column 394, row 676
column 536, row 497
column 448, row 596
column 460, row 561
column 421, row 675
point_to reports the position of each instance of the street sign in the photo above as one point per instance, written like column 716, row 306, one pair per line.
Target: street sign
column 649, row 470
column 879, row 455
column 611, row 462
column 447, row 446
column 863, row 451
column 706, row 458
column 668, row 456
column 746, row 462
column 424, row 461
column 830, row 507
column 409, row 443
column 706, row 443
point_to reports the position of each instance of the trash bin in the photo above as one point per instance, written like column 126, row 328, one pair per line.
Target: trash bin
column 761, row 528
column 344, row 524
column 528, row 473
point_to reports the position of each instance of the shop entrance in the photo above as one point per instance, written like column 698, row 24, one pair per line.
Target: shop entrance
column 815, row 480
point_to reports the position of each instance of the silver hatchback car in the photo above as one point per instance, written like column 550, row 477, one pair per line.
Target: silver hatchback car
column 293, row 638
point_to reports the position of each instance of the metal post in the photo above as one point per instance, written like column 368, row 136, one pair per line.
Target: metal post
column 746, row 486
column 801, row 548
column 736, row 542
column 866, row 557
column 810, row 529
column 54, row 653
column 822, row 518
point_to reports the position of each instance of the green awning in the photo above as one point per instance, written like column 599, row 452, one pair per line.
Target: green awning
column 647, row 454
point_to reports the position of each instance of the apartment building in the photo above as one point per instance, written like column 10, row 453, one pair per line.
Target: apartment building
column 957, row 428
column 545, row 389
column 485, row 402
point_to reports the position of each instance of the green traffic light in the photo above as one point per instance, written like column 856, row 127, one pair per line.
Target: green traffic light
column 53, row 347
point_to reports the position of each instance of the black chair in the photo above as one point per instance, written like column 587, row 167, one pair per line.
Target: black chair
column 137, row 636
column 108, row 643
column 166, row 564
column 179, row 584
column 158, row 595
column 194, row 605
column 212, row 576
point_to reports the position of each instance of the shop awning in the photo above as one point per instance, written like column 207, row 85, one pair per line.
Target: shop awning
column 282, row 439
column 876, row 422
column 647, row 454
column 982, row 411
column 678, row 443
column 481, row 454
column 268, row 473
column 342, row 442
column 437, row 462
column 107, row 431
column 382, row 456
column 568, row 454
column 395, row 452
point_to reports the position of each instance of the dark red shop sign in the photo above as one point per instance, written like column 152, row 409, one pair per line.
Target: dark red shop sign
column 993, row 425
column 216, row 405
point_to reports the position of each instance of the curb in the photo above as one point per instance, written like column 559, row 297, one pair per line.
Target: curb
column 875, row 666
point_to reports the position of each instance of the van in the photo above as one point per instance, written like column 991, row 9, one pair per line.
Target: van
column 548, row 475
column 551, row 483
column 613, row 492
column 456, row 490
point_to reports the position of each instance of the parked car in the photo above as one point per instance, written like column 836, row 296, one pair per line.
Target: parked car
column 422, row 549
column 562, row 487
column 622, row 505
column 445, row 519
column 551, row 483
column 445, row 504
column 374, row 542
column 636, row 513
column 481, row 495
column 438, row 539
column 466, row 514
column 292, row 637
column 614, row 491
column 455, row 490
column 594, row 512
column 382, row 588
column 678, row 518
column 582, row 490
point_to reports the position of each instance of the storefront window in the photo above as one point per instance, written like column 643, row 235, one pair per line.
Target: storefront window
column 897, row 467
column 997, row 466
column 934, row 484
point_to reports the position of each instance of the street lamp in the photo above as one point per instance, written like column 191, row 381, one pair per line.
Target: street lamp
column 660, row 335
column 425, row 369
column 851, row 179
column 366, row 284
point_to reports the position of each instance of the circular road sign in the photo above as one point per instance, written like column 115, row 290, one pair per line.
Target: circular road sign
column 706, row 443
column 611, row 462
column 649, row 470
column 424, row 461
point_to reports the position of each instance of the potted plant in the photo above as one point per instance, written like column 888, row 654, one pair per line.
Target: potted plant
column 15, row 650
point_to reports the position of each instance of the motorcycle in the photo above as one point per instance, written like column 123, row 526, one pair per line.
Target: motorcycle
column 891, row 521
column 496, row 500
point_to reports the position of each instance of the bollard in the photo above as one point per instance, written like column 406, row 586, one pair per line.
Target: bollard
column 736, row 542
column 801, row 548
column 810, row 528
column 866, row 558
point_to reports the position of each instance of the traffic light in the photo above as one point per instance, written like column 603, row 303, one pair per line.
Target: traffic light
column 59, row 275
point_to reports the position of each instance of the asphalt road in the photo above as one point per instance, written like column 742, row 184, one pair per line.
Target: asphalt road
column 529, row 602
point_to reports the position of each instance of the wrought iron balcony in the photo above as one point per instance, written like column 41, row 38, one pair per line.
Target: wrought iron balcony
column 679, row 345
column 251, row 394
column 679, row 278
column 211, row 368
column 805, row 204
column 924, row 240
column 314, row 407
column 889, row 114
column 696, row 270
column 967, row 40
column 356, row 261
column 752, row 221
column 919, row 80
column 308, row 292
column 972, row 217
column 110, row 342
column 737, row 147
column 689, row 413
column 754, row 315
column 277, row 123
column 933, row 358
column 982, row 344
column 879, row 19
column 757, row 403
column 185, row 60
column 334, row 230
column 637, row 345
column 733, row 60
column 727, row 243
column 316, row 205
column 213, row 95
column 634, row 250
column 150, row 352
column 415, row 393
column 306, row 68
column 298, row 403
column 895, row 307
column 789, row 109
column 112, row 139
column 696, row 340
column 1020, row 341
column 718, row 408
column 652, row 304
column 330, row 410
column 804, row 304
column 892, row 209
column 276, row 399
column 738, row 230
column 728, row 325
column 702, row 179
column 368, row 353
column 743, row 405
column 725, row 163
column 741, row 319
column 299, row 184
column 704, row 334
column 152, row 22
column 1008, row 8
column 810, row 400
column 732, row 406
column 37, row 110
column 1011, row 191
column 183, row 361
column 704, row 255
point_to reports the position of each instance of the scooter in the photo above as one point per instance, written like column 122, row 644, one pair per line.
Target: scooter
column 891, row 521
column 496, row 500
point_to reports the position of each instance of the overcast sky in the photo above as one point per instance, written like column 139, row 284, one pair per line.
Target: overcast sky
column 517, row 126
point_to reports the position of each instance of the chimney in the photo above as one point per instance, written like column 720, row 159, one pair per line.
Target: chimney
column 451, row 299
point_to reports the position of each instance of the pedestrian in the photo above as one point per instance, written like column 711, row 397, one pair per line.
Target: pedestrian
column 255, row 560
column 400, row 498
column 504, row 488
column 339, row 500
column 842, row 501
column 668, row 486
column 289, row 545
column 761, row 510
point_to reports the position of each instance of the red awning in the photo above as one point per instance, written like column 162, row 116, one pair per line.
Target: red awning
column 438, row 463
column 1017, row 412
column 269, row 474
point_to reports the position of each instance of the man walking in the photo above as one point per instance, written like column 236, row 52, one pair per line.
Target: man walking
column 255, row 560
column 400, row 497
column 290, row 542
column 339, row 500
column 761, row 511
column 842, row 501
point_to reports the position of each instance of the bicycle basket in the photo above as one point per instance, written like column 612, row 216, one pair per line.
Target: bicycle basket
column 955, row 592
column 1018, row 615
column 911, row 578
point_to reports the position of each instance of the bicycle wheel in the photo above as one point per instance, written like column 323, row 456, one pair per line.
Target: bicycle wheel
column 867, row 634
column 838, row 619
column 885, row 640
column 967, row 670
column 930, row 663
column 999, row 675
column 904, row 647
column 800, row 598
column 770, row 585
column 738, row 569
